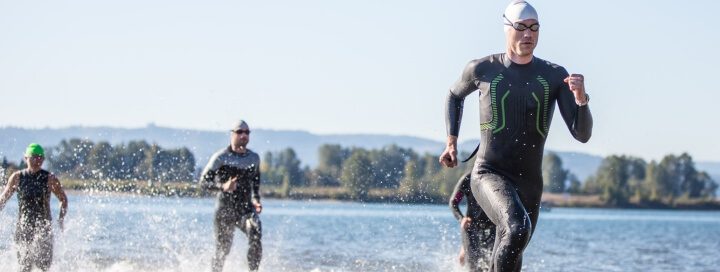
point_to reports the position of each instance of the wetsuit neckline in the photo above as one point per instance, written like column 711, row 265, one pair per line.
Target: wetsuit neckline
column 30, row 172
column 509, row 63
column 229, row 148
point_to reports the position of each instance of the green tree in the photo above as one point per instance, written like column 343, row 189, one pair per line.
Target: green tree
column 281, row 167
column 138, row 159
column 413, row 174
column 388, row 165
column 98, row 161
column 554, row 175
column 657, row 183
column 357, row 174
column 330, row 162
column 286, row 186
column 70, row 157
column 676, row 176
column 575, row 185
column 615, row 177
column 267, row 168
column 288, row 164
column 183, row 163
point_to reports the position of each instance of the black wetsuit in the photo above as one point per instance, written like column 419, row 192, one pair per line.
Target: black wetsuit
column 516, row 108
column 479, row 237
column 33, row 234
column 235, row 209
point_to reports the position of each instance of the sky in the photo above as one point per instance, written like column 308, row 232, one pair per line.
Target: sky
column 337, row 67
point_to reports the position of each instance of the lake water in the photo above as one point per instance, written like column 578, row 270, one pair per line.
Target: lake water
column 135, row 233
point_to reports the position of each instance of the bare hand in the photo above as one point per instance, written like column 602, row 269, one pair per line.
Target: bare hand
column 576, row 82
column 258, row 207
column 461, row 256
column 449, row 157
column 465, row 223
column 230, row 185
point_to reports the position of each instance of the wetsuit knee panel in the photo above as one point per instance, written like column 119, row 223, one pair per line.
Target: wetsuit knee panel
column 518, row 232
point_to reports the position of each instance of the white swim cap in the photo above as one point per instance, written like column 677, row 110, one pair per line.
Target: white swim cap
column 518, row 10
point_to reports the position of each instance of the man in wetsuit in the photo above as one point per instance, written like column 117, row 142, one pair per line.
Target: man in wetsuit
column 476, row 229
column 234, row 172
column 518, row 93
column 33, row 234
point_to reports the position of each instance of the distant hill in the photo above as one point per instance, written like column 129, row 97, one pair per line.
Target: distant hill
column 203, row 143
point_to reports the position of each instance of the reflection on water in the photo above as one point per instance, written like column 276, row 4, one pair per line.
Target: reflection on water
column 127, row 233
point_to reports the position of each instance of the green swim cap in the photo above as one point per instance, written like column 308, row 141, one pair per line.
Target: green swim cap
column 34, row 150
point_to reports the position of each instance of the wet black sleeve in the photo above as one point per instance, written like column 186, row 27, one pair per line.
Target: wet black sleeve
column 577, row 118
column 457, row 196
column 209, row 174
column 464, row 86
column 256, row 183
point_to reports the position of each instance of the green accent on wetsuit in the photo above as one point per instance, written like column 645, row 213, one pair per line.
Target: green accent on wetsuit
column 492, row 124
column 502, row 104
column 507, row 178
column 537, row 125
column 510, row 85
column 34, row 150
column 546, row 99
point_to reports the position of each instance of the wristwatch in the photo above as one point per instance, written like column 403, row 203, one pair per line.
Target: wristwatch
column 587, row 100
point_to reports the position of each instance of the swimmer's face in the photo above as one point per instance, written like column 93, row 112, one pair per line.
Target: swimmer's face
column 34, row 161
column 240, row 137
column 522, row 42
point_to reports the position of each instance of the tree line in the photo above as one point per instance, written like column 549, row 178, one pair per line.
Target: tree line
column 409, row 175
column 413, row 176
column 136, row 160
column 623, row 179
column 619, row 180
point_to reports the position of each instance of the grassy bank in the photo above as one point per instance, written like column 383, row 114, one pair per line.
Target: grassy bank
column 191, row 189
column 594, row 201
column 182, row 189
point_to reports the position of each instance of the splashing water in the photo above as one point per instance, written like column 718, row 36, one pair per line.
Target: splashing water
column 117, row 233
column 106, row 232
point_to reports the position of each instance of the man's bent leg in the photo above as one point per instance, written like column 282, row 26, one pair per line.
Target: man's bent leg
column 499, row 200
column 253, row 230
column 224, row 230
column 532, row 206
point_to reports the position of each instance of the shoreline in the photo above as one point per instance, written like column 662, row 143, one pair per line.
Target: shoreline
column 549, row 200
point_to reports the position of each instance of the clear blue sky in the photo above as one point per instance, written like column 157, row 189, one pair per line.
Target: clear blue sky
column 354, row 66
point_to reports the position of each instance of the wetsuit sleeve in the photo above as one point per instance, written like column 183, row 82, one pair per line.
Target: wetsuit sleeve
column 464, row 86
column 455, row 199
column 577, row 118
column 256, row 182
column 209, row 174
